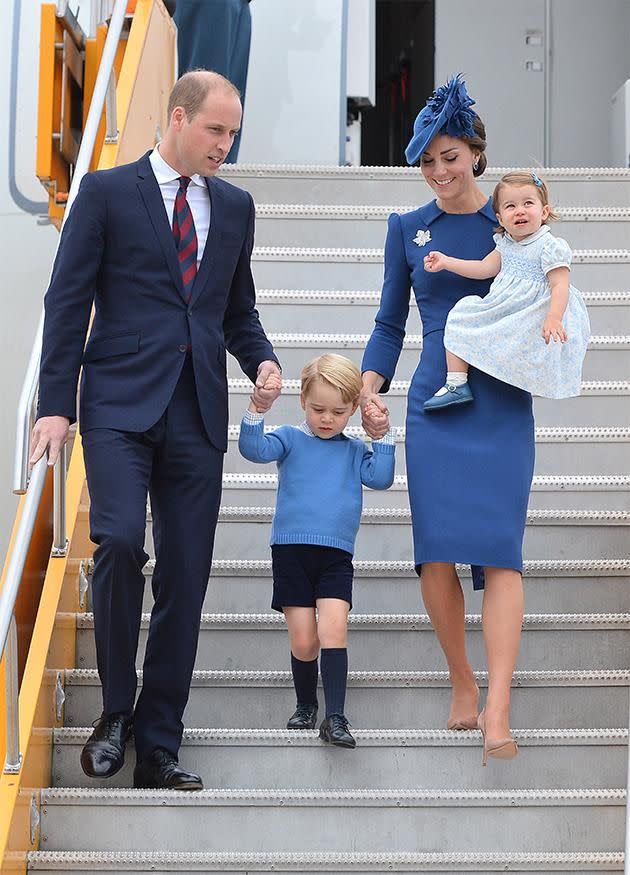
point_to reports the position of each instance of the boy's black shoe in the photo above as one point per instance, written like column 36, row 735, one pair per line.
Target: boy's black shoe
column 334, row 730
column 305, row 717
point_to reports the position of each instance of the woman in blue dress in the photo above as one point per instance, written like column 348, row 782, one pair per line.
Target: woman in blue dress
column 469, row 469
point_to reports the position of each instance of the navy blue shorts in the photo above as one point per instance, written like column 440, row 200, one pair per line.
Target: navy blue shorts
column 303, row 573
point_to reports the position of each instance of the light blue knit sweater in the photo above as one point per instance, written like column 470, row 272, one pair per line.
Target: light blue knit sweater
column 319, row 497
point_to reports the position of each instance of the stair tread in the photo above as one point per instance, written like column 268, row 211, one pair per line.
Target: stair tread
column 401, row 387
column 414, row 622
column 395, row 798
column 407, row 738
column 403, row 515
column 400, row 568
column 257, row 678
column 382, row 211
column 372, row 297
column 370, row 172
column 373, row 254
column 411, row 341
column 540, row 482
column 324, row 861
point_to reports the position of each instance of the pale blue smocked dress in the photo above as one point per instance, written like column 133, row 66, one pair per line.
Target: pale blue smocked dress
column 501, row 334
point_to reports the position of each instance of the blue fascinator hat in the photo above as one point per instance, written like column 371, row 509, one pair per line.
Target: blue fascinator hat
column 447, row 112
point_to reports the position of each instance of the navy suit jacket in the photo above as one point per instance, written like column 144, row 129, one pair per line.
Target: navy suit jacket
column 117, row 251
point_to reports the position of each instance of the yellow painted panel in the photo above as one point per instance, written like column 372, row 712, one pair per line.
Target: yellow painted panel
column 43, row 162
column 53, row 642
column 146, row 79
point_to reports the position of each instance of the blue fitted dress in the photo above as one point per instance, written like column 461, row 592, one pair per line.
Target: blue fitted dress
column 469, row 467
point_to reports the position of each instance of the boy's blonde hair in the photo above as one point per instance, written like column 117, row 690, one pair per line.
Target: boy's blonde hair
column 523, row 177
column 335, row 370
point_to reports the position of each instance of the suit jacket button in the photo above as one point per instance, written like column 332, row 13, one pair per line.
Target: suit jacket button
column 182, row 347
column 190, row 312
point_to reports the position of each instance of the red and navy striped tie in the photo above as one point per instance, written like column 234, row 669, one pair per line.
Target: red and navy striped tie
column 185, row 237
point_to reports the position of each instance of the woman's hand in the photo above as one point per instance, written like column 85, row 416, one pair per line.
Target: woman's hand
column 435, row 261
column 553, row 327
column 374, row 415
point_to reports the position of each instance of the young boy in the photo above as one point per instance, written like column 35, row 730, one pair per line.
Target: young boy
column 318, row 510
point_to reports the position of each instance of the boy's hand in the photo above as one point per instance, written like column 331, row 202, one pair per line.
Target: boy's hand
column 378, row 419
column 553, row 327
column 434, row 262
column 374, row 415
column 268, row 387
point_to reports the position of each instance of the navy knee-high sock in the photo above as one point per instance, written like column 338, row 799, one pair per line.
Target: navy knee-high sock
column 334, row 678
column 305, row 680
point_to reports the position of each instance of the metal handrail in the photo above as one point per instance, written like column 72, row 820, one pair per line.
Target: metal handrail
column 26, row 417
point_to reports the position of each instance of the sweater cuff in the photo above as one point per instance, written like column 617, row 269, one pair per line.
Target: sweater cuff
column 388, row 440
column 250, row 418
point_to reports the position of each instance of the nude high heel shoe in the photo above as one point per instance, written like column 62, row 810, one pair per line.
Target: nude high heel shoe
column 460, row 725
column 500, row 749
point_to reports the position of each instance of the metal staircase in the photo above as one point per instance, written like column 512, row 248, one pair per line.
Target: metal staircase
column 412, row 797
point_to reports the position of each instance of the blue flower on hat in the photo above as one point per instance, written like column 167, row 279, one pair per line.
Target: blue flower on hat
column 447, row 111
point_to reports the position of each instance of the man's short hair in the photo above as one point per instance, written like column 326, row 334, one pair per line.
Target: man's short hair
column 191, row 90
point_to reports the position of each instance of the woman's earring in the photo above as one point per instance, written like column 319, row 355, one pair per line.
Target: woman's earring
column 476, row 164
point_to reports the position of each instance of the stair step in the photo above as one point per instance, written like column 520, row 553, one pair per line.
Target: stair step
column 608, row 356
column 489, row 821
column 309, row 864
column 298, row 309
column 393, row 642
column 570, row 186
column 601, row 402
column 566, row 492
column 597, row 450
column 386, row 532
column 366, row 225
column 388, row 700
column 552, row 586
column 401, row 759
column 354, row 268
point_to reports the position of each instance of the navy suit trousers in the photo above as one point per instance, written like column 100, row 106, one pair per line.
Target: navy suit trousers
column 174, row 463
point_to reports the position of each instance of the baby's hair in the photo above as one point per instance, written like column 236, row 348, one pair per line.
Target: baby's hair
column 523, row 177
column 335, row 370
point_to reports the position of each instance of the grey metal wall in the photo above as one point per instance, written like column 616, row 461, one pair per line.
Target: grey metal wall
column 590, row 59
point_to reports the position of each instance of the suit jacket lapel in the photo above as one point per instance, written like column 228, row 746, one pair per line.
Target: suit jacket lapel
column 152, row 197
column 211, row 249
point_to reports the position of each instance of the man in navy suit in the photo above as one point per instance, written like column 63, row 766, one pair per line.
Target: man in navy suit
column 162, row 249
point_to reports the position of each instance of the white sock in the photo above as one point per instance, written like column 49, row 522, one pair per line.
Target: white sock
column 453, row 378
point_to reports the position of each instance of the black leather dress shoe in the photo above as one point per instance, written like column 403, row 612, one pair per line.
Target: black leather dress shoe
column 304, row 717
column 104, row 752
column 334, row 730
column 160, row 771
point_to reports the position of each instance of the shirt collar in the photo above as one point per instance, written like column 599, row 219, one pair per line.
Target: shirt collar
column 430, row 212
column 165, row 173
column 305, row 427
column 544, row 229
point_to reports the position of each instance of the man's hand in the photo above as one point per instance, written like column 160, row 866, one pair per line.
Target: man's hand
column 268, row 386
column 374, row 415
column 49, row 433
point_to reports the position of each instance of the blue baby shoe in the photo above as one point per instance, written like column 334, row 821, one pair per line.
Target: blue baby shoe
column 454, row 395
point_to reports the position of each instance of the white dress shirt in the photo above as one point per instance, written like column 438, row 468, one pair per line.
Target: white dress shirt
column 197, row 196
